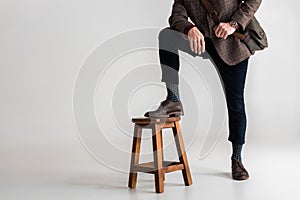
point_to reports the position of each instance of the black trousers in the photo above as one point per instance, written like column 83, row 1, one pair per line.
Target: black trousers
column 232, row 77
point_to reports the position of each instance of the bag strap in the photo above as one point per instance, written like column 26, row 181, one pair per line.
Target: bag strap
column 215, row 16
column 211, row 11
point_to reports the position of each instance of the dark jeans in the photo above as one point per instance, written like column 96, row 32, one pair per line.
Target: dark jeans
column 232, row 77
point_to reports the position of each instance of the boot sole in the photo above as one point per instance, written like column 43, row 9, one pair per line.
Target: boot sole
column 175, row 113
column 169, row 114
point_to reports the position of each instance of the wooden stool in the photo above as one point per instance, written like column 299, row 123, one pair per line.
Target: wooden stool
column 159, row 167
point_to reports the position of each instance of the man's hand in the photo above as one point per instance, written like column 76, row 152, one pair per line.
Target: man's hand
column 223, row 30
column 196, row 40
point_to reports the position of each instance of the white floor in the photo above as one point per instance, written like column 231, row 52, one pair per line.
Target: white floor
column 53, row 173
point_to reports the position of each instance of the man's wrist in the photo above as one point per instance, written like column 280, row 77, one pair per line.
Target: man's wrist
column 234, row 24
column 188, row 28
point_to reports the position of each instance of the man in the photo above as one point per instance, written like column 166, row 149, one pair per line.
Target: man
column 229, row 55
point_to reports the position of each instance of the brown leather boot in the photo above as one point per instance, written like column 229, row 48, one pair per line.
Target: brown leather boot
column 167, row 108
column 238, row 171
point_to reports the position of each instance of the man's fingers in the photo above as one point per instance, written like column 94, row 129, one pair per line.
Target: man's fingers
column 191, row 44
column 225, row 35
column 202, row 43
column 218, row 31
column 195, row 46
column 199, row 46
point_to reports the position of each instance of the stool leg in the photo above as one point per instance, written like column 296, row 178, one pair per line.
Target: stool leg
column 162, row 153
column 182, row 154
column 158, row 158
column 135, row 155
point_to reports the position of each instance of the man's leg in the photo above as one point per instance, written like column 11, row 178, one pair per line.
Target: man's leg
column 170, row 42
column 233, row 79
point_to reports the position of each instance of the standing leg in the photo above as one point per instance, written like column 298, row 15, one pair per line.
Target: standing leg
column 233, row 79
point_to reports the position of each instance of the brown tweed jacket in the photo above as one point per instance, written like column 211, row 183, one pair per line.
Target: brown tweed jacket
column 231, row 50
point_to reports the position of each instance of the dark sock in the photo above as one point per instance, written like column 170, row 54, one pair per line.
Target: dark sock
column 236, row 152
column 173, row 92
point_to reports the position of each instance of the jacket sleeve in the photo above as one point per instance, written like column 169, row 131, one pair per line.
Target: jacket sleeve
column 246, row 12
column 179, row 18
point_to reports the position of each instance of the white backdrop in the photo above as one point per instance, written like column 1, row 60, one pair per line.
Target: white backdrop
column 43, row 44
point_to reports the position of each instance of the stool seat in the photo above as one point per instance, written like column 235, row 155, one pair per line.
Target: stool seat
column 147, row 120
column 161, row 122
column 158, row 166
